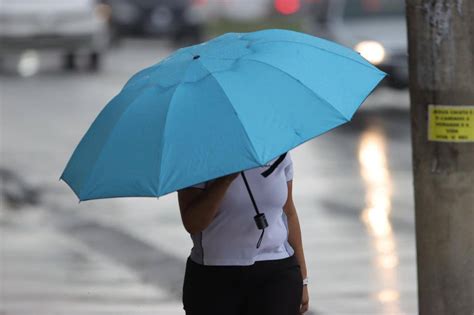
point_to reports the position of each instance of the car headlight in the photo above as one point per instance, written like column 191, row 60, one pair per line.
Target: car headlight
column 373, row 51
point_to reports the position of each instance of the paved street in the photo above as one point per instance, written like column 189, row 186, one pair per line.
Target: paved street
column 45, row 272
column 352, row 189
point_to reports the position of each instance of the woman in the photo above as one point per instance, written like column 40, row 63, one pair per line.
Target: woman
column 227, row 273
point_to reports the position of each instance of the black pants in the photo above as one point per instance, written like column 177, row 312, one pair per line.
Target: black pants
column 271, row 287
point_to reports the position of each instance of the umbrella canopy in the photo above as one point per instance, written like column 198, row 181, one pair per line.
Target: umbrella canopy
column 233, row 103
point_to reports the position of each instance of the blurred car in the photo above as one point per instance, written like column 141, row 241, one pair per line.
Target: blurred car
column 374, row 28
column 176, row 19
column 72, row 26
column 244, row 10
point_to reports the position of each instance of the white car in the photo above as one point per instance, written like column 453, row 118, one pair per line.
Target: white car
column 72, row 26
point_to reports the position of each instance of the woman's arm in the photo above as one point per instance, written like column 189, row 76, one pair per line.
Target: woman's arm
column 294, row 238
column 198, row 207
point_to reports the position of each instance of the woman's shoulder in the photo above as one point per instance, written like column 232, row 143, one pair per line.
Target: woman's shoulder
column 287, row 160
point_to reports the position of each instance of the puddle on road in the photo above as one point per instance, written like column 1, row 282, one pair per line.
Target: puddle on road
column 372, row 154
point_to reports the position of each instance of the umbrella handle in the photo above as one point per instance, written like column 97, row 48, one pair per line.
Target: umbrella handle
column 260, row 219
column 262, row 223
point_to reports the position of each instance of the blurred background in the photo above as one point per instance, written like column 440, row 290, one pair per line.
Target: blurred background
column 62, row 61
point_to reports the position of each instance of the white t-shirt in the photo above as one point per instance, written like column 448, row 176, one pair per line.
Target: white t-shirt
column 232, row 236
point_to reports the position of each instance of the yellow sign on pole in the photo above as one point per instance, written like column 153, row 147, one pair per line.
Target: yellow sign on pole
column 451, row 123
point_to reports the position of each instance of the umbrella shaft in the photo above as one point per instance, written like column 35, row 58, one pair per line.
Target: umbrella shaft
column 250, row 193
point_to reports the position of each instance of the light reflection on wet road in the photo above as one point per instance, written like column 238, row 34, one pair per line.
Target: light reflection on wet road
column 361, row 214
column 376, row 215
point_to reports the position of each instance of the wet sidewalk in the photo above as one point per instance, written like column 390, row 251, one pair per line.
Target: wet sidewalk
column 45, row 272
column 127, row 255
column 356, row 267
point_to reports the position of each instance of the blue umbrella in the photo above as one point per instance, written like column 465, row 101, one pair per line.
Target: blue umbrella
column 230, row 104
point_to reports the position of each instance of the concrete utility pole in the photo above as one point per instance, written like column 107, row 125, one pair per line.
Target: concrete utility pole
column 441, row 50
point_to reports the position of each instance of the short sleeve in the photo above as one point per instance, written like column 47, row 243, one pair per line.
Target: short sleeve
column 288, row 167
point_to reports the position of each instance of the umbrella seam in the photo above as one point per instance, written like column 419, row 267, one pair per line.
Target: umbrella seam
column 370, row 66
column 302, row 84
column 257, row 42
column 211, row 74
column 106, row 141
column 176, row 86
column 164, row 133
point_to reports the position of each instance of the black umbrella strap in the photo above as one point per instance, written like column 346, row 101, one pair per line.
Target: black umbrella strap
column 274, row 165
column 250, row 193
